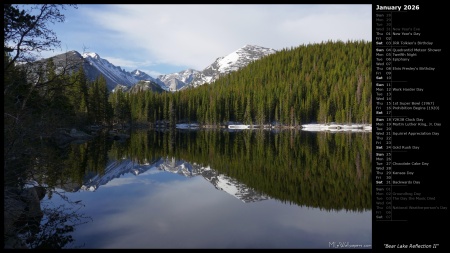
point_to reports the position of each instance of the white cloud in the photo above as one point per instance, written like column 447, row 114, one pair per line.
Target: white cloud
column 163, row 39
column 152, row 73
column 129, row 64
column 195, row 35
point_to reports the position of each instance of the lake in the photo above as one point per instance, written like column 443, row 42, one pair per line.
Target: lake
column 219, row 189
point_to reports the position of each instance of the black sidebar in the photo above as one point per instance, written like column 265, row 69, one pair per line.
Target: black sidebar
column 410, row 79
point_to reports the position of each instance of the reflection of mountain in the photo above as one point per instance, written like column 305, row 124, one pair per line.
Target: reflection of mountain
column 220, row 181
column 313, row 169
column 114, row 170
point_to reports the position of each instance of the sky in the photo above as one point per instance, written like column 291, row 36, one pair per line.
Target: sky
column 168, row 38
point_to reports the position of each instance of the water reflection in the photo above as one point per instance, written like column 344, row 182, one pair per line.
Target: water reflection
column 117, row 169
column 178, row 189
column 163, row 210
column 325, row 170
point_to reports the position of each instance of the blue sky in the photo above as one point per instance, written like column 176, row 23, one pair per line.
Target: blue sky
column 167, row 38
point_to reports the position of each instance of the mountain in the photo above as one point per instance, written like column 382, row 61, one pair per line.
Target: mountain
column 94, row 66
column 177, row 81
column 115, row 76
column 144, row 86
column 220, row 181
column 232, row 62
column 221, row 66
column 142, row 76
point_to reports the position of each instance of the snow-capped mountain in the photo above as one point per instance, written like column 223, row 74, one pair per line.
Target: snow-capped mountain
column 115, row 76
column 142, row 76
column 220, row 181
column 221, row 66
column 177, row 81
column 232, row 62
column 112, row 73
column 94, row 66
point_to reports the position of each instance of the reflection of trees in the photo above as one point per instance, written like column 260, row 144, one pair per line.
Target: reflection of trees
column 28, row 225
column 53, row 230
column 35, row 106
column 50, row 168
column 325, row 170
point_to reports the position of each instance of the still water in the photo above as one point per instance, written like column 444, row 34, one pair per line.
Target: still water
column 221, row 189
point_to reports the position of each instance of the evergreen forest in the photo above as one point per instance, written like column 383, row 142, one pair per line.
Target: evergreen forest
column 325, row 82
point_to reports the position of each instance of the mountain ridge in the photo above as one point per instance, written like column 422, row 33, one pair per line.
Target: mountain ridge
column 231, row 62
column 94, row 66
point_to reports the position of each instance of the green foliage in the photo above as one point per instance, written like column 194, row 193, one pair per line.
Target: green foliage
column 324, row 170
column 120, row 105
column 26, row 29
column 325, row 82
column 331, row 171
column 99, row 109
column 78, row 95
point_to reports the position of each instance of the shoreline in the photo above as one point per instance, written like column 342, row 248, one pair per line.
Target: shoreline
column 333, row 127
